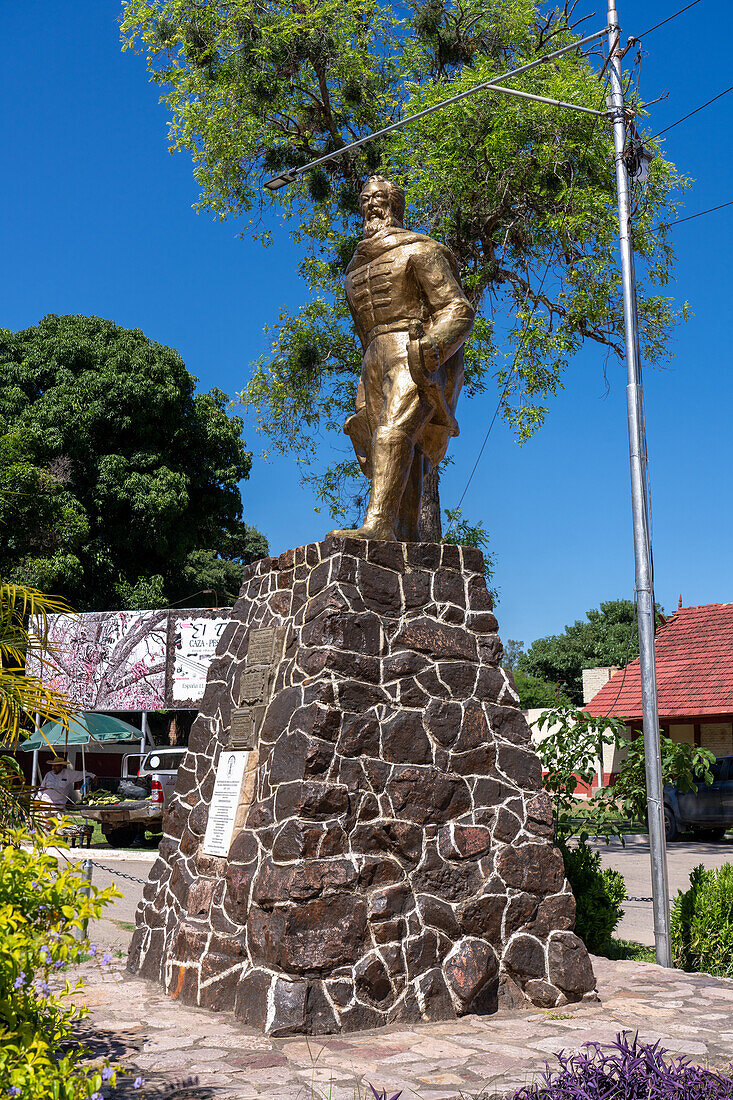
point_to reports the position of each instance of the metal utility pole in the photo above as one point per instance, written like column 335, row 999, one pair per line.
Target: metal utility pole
column 640, row 508
column 637, row 431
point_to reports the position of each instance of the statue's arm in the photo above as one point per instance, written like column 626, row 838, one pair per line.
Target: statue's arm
column 451, row 313
column 357, row 326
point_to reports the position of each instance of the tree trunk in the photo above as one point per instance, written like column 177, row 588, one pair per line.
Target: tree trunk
column 429, row 522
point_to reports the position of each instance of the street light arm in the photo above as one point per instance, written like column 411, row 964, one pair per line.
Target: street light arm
column 291, row 174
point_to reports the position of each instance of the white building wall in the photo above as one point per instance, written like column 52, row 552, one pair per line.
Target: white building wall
column 596, row 678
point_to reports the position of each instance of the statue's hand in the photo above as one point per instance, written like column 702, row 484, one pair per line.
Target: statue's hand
column 428, row 354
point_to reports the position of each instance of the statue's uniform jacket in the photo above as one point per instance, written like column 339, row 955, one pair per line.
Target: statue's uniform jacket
column 394, row 278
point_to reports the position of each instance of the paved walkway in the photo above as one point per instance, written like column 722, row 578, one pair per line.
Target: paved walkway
column 171, row 1044
column 632, row 860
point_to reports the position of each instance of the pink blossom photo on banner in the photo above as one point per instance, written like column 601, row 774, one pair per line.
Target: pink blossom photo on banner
column 108, row 660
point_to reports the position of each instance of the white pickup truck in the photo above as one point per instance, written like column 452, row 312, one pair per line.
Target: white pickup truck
column 123, row 822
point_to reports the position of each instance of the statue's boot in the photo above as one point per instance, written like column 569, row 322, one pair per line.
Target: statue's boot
column 392, row 453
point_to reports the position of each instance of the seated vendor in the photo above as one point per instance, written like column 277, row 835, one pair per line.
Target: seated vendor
column 58, row 783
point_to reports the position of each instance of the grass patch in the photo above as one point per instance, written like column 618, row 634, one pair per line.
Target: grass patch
column 629, row 950
column 149, row 844
column 593, row 817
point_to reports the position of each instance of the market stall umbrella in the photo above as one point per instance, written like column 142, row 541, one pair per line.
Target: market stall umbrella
column 84, row 729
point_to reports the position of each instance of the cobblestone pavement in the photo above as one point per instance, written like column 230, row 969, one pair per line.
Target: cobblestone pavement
column 169, row 1044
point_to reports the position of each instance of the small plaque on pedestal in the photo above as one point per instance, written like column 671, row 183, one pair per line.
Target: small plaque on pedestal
column 224, row 803
column 242, row 729
column 253, row 684
column 261, row 648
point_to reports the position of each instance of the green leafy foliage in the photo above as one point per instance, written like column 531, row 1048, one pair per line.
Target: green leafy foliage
column 569, row 748
column 599, row 894
column 461, row 532
column 41, row 907
column 14, row 806
column 702, row 923
column 513, row 650
column 606, row 637
column 534, row 692
column 682, row 765
column 571, row 745
column 522, row 193
column 117, row 480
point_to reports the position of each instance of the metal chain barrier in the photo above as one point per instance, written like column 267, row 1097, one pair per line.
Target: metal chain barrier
column 644, row 899
column 113, row 871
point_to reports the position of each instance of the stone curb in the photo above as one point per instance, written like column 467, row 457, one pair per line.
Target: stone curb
column 100, row 857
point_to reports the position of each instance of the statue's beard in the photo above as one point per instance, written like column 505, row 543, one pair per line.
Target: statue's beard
column 377, row 224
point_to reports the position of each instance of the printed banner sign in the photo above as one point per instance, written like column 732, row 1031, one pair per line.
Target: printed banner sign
column 131, row 660
column 195, row 641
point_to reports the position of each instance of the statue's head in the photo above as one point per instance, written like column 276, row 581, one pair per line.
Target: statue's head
column 382, row 205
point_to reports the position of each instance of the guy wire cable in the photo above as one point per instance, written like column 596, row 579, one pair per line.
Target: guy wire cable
column 532, row 313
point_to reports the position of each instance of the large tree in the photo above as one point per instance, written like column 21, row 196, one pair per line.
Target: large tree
column 606, row 637
column 118, row 482
column 523, row 193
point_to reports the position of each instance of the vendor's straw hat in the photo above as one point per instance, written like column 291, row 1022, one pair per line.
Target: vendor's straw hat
column 58, row 760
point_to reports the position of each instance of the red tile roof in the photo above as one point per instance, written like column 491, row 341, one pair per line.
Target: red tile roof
column 694, row 651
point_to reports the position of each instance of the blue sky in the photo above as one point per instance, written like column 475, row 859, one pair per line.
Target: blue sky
column 97, row 219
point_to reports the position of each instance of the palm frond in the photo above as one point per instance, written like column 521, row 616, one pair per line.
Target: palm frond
column 24, row 629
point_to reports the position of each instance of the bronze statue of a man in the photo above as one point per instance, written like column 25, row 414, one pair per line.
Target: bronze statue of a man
column 412, row 319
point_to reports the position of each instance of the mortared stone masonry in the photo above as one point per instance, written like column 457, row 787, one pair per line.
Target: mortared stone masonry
column 393, row 858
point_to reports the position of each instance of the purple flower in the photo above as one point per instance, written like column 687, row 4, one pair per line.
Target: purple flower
column 93, row 949
column 13, row 1091
column 58, row 964
column 106, row 958
column 18, row 984
column 138, row 1082
column 107, row 1072
column 43, row 989
column 383, row 1094
column 96, row 1096
column 626, row 1067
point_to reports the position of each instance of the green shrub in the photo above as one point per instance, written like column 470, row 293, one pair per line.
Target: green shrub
column 702, row 923
column 598, row 894
column 41, row 907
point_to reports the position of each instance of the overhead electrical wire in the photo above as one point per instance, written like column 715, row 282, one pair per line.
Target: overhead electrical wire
column 636, row 38
column 699, row 214
column 516, row 355
column 667, row 20
column 691, row 113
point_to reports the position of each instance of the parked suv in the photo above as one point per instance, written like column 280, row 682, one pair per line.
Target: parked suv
column 708, row 811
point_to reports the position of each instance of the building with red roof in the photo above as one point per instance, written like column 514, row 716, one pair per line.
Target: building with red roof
column 694, row 656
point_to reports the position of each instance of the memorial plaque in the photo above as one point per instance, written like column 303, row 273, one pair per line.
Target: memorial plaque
column 242, row 729
column 261, row 647
column 224, row 803
column 252, row 685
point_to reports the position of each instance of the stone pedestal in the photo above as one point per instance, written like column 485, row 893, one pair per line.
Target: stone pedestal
column 392, row 857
